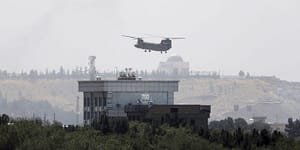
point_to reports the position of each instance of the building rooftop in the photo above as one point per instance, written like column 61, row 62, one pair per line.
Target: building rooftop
column 175, row 59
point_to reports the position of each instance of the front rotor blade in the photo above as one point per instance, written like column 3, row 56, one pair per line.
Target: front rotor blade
column 130, row 36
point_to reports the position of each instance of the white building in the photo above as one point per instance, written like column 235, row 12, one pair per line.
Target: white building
column 174, row 66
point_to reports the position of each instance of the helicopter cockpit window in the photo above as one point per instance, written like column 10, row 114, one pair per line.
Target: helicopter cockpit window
column 165, row 42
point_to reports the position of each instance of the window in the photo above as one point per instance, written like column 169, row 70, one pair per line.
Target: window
column 88, row 115
column 91, row 115
column 192, row 122
column 118, row 105
column 88, row 101
column 104, row 102
column 174, row 110
column 100, row 102
column 96, row 101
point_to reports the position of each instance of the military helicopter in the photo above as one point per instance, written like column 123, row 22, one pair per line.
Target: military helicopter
column 163, row 46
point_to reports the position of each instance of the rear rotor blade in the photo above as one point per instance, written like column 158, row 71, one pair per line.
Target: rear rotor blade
column 175, row 38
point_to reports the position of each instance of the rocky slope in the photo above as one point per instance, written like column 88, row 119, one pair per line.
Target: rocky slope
column 270, row 97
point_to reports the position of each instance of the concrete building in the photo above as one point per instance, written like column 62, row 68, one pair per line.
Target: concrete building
column 174, row 66
column 111, row 96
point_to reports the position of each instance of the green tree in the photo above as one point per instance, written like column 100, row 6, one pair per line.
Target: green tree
column 259, row 126
column 241, row 74
column 239, row 137
column 4, row 119
column 293, row 128
column 240, row 123
column 226, row 124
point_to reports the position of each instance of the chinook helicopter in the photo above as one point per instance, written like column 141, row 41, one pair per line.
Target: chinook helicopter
column 163, row 46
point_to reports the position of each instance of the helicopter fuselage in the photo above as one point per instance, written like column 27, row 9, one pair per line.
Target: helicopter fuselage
column 164, row 45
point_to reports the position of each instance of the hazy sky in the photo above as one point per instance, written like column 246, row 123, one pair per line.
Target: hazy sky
column 259, row 36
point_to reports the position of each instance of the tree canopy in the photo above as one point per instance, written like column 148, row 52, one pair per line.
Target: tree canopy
column 36, row 134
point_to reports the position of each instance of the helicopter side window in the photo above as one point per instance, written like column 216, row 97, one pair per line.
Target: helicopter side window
column 140, row 41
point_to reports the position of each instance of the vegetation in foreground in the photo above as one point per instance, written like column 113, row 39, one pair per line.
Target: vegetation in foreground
column 35, row 134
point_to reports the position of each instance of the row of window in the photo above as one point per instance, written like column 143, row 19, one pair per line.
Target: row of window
column 91, row 115
column 134, row 117
column 97, row 101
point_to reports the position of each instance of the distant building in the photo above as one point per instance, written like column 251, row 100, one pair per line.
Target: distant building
column 195, row 115
column 278, row 127
column 110, row 96
column 236, row 107
column 249, row 108
column 260, row 119
column 174, row 66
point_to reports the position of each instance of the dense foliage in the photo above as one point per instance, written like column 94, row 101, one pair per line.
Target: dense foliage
column 230, row 124
column 293, row 128
column 35, row 134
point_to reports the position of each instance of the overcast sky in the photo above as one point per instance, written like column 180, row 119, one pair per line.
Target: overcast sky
column 258, row 36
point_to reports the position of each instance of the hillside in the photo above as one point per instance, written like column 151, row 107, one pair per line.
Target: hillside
column 273, row 98
column 59, row 93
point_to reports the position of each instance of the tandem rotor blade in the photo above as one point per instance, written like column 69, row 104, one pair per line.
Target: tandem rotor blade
column 173, row 38
column 130, row 37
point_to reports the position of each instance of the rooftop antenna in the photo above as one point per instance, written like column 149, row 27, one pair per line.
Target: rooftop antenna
column 92, row 67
